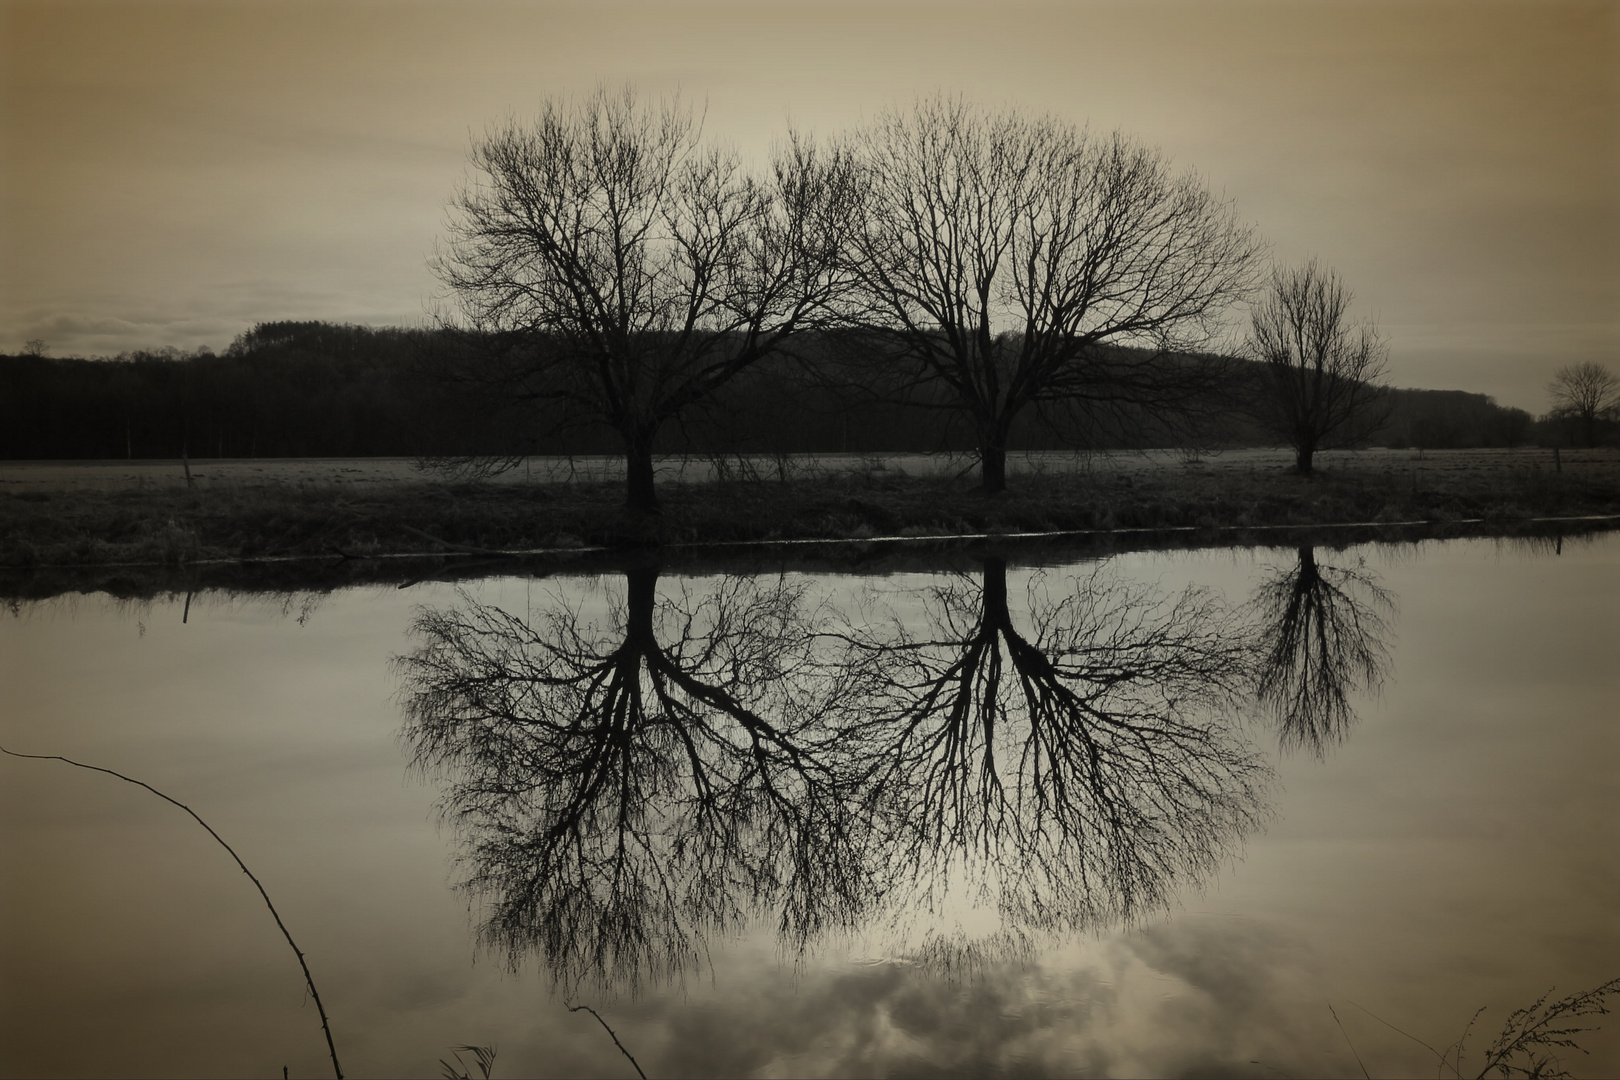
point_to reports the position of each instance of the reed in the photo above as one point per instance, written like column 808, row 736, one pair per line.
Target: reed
column 303, row 964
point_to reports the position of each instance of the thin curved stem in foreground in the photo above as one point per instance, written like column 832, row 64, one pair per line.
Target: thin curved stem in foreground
column 611, row 1034
column 309, row 980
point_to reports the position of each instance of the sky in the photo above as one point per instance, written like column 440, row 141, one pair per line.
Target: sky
column 173, row 173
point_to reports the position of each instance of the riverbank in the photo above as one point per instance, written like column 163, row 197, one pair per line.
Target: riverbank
column 70, row 523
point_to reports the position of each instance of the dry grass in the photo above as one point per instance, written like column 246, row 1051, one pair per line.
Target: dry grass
column 83, row 525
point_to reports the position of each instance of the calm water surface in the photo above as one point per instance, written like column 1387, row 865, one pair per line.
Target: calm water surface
column 1151, row 815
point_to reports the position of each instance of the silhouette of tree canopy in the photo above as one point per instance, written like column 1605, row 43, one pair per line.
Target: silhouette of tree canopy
column 325, row 390
column 1078, row 769
column 1323, row 372
column 1322, row 632
column 1586, row 394
column 624, row 790
column 607, row 259
column 999, row 254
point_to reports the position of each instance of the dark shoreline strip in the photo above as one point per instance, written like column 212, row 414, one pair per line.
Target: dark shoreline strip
column 459, row 551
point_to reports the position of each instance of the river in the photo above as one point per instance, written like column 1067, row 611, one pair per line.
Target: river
column 1240, row 811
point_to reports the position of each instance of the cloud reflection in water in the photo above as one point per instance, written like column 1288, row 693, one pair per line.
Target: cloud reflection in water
column 972, row 785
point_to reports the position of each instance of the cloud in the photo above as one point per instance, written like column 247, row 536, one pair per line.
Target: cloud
column 106, row 325
column 1195, row 996
column 1454, row 165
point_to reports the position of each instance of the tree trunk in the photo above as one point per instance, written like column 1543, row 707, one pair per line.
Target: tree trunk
column 993, row 467
column 1310, row 577
column 640, row 497
column 641, row 598
column 1302, row 458
column 995, row 611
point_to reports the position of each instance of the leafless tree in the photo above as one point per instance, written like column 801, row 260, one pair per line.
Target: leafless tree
column 1587, row 394
column 1323, row 632
column 1323, row 372
column 625, row 790
column 611, row 263
column 1000, row 255
column 1079, row 770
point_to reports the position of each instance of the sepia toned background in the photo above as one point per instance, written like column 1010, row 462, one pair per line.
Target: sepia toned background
column 175, row 172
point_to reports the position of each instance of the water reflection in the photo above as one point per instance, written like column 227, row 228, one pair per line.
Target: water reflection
column 624, row 791
column 1072, row 772
column 1323, row 633
column 118, row 933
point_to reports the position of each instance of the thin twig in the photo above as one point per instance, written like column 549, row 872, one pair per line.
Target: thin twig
column 309, row 979
column 1347, row 1041
column 483, row 1055
column 616, row 1042
column 1529, row 1027
column 1409, row 1035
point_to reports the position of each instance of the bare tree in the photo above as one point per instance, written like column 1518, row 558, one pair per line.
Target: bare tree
column 1323, row 372
column 625, row 790
column 1001, row 254
column 1323, row 632
column 1586, row 393
column 610, row 262
column 1079, row 768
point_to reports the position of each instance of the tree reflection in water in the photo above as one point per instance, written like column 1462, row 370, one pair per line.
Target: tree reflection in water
column 711, row 754
column 1072, row 773
column 623, row 791
column 1323, row 631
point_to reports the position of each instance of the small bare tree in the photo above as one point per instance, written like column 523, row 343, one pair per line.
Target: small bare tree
column 608, row 262
column 1322, row 638
column 1586, row 393
column 1323, row 372
column 1002, row 255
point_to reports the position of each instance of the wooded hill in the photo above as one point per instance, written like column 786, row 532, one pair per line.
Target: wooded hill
column 313, row 389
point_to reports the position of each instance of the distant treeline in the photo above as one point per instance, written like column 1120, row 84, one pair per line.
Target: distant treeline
column 313, row 389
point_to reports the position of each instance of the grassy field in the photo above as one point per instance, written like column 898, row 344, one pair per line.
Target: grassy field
column 64, row 515
column 365, row 473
